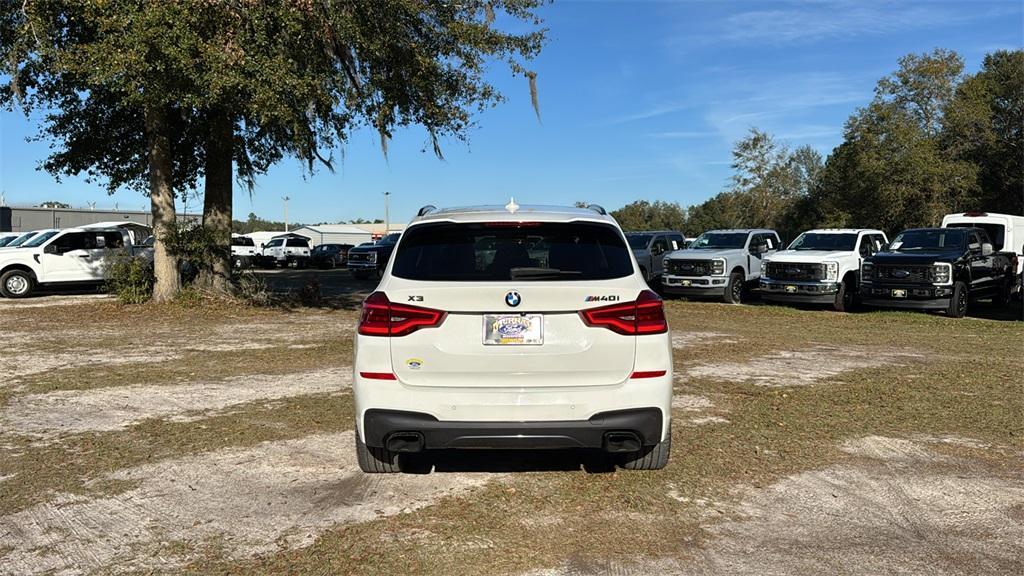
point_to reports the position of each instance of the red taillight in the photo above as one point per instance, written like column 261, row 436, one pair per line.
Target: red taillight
column 643, row 316
column 382, row 317
column 378, row 375
column 648, row 374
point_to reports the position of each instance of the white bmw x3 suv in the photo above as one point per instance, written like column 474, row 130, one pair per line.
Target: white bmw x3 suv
column 513, row 327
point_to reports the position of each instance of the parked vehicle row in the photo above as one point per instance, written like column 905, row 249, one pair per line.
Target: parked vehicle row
column 971, row 257
column 73, row 256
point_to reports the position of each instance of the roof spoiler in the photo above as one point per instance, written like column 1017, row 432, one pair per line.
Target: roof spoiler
column 597, row 208
column 426, row 210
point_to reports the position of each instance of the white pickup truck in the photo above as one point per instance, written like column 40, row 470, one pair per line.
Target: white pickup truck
column 820, row 267
column 60, row 257
column 719, row 263
column 286, row 251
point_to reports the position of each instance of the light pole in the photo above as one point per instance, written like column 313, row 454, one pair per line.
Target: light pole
column 286, row 199
column 387, row 218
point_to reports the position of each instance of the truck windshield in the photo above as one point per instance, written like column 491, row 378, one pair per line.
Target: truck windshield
column 940, row 239
column 638, row 241
column 21, row 239
column 710, row 240
column 816, row 241
column 38, row 240
column 497, row 251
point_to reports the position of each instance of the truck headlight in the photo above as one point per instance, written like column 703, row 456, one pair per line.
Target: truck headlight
column 718, row 267
column 942, row 273
column 664, row 263
column 867, row 271
column 764, row 268
column 831, row 271
column 371, row 257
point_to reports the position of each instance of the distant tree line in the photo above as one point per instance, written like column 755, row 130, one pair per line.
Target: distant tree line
column 932, row 141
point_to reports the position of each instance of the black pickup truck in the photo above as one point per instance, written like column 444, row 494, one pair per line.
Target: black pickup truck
column 936, row 269
column 370, row 261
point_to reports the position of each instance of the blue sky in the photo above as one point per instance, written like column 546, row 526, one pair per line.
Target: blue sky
column 638, row 100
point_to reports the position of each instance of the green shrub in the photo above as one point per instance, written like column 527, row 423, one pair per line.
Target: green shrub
column 129, row 277
column 251, row 288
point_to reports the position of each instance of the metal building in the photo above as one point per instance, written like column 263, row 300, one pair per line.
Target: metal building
column 24, row 219
column 354, row 234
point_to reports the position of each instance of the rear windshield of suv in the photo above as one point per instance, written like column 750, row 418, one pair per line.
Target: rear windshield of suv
column 495, row 251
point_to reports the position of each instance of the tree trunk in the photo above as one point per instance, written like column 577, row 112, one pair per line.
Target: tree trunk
column 161, row 195
column 217, row 195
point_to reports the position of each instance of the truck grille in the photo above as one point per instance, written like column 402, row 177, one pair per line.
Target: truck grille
column 795, row 271
column 688, row 267
column 903, row 274
column 359, row 257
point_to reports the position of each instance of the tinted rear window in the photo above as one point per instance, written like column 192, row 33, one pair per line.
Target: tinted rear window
column 298, row 243
column 482, row 252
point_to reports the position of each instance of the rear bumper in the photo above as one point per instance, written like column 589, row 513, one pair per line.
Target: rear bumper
column 380, row 426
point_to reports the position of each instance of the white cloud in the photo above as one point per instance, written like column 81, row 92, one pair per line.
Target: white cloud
column 812, row 22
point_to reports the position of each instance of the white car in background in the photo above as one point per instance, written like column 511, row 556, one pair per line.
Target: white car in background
column 57, row 257
column 515, row 327
column 24, row 237
column 7, row 237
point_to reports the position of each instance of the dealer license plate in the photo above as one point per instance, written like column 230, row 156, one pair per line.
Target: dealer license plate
column 685, row 282
column 898, row 293
column 791, row 288
column 513, row 329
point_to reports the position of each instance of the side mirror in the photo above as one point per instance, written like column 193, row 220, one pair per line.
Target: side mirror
column 656, row 250
column 51, row 249
column 986, row 249
column 759, row 249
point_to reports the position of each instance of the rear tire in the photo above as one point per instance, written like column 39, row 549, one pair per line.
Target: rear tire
column 375, row 460
column 734, row 290
column 958, row 302
column 17, row 284
column 650, row 458
column 846, row 298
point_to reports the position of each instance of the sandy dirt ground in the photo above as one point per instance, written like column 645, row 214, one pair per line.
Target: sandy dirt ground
column 243, row 501
column 895, row 507
column 114, row 408
column 884, row 505
column 802, row 367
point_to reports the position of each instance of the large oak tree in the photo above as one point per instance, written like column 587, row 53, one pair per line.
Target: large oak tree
column 165, row 93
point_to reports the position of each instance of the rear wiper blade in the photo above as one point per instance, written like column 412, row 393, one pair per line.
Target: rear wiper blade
column 541, row 272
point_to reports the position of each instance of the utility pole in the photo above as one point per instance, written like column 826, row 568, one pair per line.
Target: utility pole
column 387, row 218
column 286, row 199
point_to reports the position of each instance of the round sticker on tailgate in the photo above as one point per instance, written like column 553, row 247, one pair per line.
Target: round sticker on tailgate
column 414, row 363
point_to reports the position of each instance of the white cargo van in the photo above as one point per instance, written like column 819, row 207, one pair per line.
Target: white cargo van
column 1005, row 230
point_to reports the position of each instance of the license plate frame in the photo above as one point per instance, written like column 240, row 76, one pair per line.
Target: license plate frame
column 513, row 330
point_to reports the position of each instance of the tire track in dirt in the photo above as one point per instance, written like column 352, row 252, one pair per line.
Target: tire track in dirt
column 249, row 501
column 896, row 507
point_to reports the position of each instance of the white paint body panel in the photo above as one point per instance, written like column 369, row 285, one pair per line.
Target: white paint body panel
column 449, row 373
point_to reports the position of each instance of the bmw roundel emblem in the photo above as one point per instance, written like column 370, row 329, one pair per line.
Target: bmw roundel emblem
column 513, row 299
